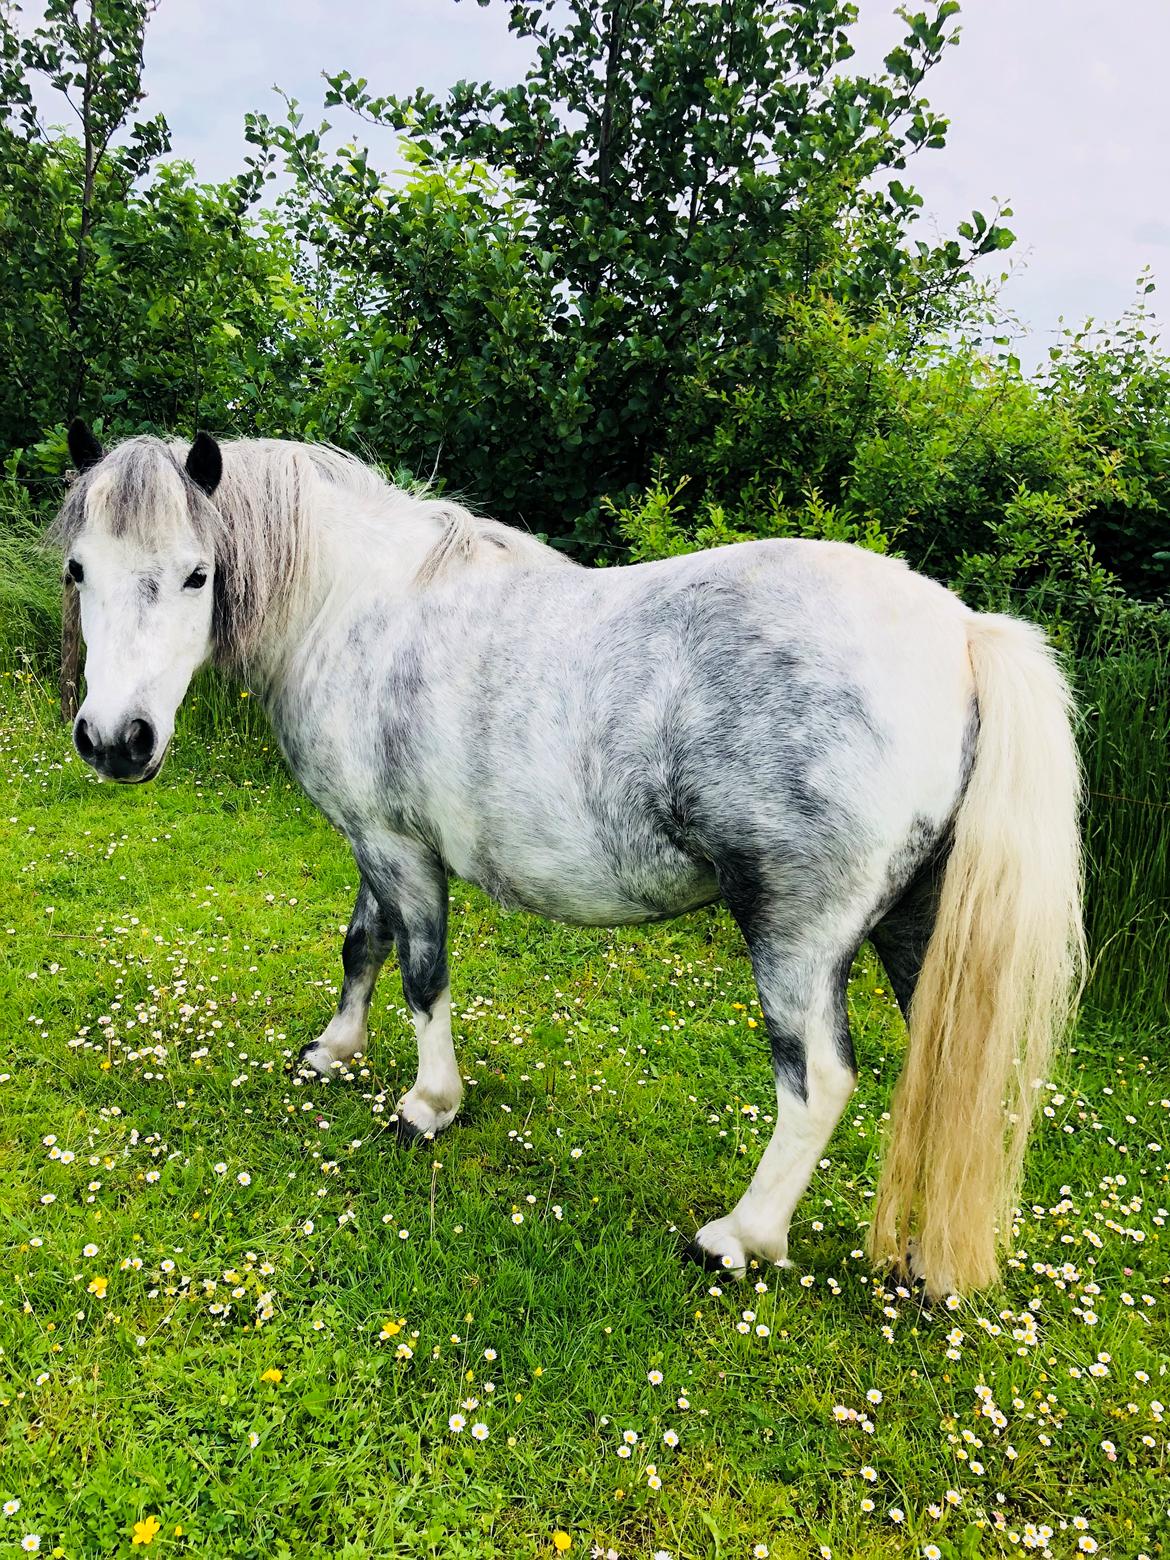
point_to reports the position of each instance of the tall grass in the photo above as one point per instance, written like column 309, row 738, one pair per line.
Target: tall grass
column 30, row 583
column 1125, row 699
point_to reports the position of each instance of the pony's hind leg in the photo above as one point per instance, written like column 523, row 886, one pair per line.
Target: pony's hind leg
column 901, row 937
column 802, row 993
column 368, row 939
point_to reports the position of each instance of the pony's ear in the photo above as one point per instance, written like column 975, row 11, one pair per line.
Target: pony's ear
column 205, row 463
column 84, row 449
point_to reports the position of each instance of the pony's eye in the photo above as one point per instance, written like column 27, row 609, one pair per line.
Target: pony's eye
column 76, row 572
column 195, row 580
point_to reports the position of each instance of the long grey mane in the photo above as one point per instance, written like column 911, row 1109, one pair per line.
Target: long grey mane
column 263, row 524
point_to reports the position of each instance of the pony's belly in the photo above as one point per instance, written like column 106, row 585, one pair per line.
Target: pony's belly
column 589, row 898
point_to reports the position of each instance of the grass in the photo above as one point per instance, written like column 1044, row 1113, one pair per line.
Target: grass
column 1125, row 700
column 181, row 1221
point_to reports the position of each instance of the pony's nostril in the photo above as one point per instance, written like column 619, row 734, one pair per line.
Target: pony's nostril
column 82, row 740
column 139, row 740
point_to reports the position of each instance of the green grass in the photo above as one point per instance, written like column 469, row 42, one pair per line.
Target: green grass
column 1125, row 701
column 168, row 948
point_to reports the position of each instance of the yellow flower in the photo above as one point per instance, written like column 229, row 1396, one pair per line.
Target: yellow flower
column 561, row 1541
column 98, row 1286
column 391, row 1329
column 145, row 1530
column 179, row 1530
column 272, row 1374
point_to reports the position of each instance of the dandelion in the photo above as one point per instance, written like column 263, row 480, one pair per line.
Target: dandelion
column 144, row 1531
column 561, row 1541
column 272, row 1374
column 479, row 1431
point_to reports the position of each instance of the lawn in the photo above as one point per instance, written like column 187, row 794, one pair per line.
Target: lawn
column 239, row 1320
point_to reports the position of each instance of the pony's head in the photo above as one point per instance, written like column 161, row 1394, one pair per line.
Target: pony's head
column 138, row 533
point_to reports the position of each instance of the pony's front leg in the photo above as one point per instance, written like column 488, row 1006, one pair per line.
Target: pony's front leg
column 368, row 939
column 411, row 884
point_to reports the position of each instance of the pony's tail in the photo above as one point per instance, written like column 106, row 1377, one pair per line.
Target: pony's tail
column 1001, row 976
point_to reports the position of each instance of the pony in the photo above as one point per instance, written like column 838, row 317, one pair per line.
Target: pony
column 833, row 745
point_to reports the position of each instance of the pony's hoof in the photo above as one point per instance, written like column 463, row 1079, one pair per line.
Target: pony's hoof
column 910, row 1268
column 408, row 1135
column 313, row 1060
column 718, row 1251
column 693, row 1252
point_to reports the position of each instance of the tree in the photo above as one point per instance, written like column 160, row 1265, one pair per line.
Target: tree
column 126, row 289
column 91, row 57
column 664, row 169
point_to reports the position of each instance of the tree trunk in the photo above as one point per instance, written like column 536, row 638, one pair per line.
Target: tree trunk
column 70, row 681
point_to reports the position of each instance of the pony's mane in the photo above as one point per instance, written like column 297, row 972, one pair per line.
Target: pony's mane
column 263, row 523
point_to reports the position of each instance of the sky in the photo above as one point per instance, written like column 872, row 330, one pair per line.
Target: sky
column 1057, row 107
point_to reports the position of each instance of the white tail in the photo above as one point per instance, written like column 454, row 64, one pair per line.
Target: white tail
column 1001, row 976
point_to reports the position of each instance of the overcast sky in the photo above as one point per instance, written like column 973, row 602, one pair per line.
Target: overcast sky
column 1058, row 107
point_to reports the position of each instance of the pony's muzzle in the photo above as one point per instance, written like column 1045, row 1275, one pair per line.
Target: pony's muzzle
column 129, row 756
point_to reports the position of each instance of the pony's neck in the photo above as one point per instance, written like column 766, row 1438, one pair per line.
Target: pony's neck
column 306, row 529
column 370, row 544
